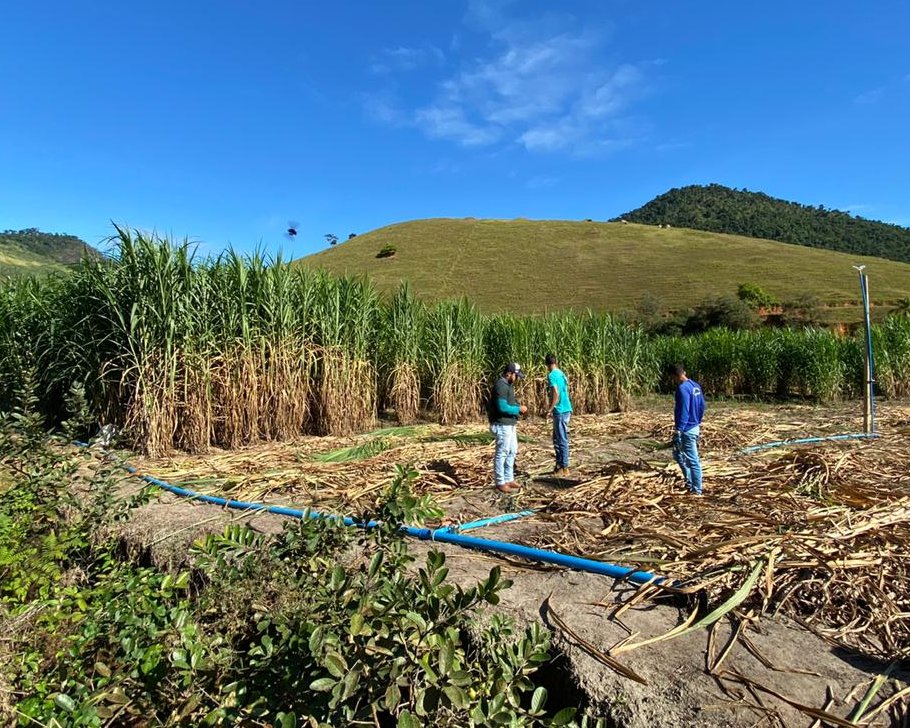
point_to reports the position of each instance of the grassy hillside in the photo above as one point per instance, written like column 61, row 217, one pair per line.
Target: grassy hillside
column 30, row 252
column 15, row 262
column 527, row 266
column 719, row 209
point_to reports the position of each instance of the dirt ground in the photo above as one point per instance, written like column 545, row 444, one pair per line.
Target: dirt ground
column 625, row 503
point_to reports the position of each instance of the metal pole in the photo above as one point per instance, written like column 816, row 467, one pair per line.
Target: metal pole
column 871, row 355
column 869, row 388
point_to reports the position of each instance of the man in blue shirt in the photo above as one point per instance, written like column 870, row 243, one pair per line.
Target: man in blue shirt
column 687, row 415
column 503, row 410
column 561, row 407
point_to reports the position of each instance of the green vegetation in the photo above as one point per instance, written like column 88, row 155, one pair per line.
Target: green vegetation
column 341, row 630
column 236, row 350
column 364, row 451
column 720, row 311
column 31, row 252
column 719, row 209
column 807, row 362
column 536, row 267
column 755, row 296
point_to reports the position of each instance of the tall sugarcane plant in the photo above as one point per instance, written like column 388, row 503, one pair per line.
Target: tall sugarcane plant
column 454, row 361
column 178, row 351
column 403, row 322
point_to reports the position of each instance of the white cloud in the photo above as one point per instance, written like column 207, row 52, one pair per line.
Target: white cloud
column 449, row 122
column 870, row 97
column 544, row 93
column 523, row 82
column 545, row 138
column 380, row 107
column 487, row 14
column 888, row 90
column 591, row 123
column 541, row 83
column 404, row 58
column 612, row 95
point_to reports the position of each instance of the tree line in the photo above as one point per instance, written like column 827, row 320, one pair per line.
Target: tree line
column 719, row 209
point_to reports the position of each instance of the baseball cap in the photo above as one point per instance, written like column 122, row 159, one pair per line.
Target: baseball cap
column 514, row 368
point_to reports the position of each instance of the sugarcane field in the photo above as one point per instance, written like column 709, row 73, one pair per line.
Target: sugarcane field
column 236, row 491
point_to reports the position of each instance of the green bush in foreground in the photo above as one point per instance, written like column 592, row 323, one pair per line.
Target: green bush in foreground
column 322, row 625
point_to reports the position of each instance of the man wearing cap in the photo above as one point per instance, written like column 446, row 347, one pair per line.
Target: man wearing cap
column 503, row 412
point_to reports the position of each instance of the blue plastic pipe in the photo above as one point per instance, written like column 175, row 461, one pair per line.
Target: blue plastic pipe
column 491, row 521
column 425, row 534
column 804, row 440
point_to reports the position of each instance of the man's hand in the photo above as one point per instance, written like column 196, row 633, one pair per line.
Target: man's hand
column 522, row 409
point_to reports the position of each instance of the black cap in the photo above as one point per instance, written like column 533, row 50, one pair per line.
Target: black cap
column 514, row 368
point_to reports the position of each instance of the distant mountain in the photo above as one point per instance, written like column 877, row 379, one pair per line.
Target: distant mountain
column 30, row 251
column 715, row 208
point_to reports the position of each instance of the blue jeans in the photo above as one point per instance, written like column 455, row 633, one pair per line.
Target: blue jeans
column 561, row 438
column 506, row 450
column 685, row 451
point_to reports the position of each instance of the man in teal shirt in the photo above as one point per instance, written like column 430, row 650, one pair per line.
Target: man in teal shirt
column 561, row 407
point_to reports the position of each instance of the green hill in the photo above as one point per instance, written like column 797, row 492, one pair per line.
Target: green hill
column 527, row 266
column 719, row 209
column 30, row 251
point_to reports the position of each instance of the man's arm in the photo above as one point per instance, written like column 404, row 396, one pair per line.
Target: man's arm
column 506, row 408
column 681, row 402
column 502, row 401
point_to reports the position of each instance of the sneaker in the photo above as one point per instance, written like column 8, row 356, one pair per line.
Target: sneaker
column 510, row 487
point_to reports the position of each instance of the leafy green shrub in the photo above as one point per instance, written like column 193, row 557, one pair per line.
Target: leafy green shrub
column 721, row 312
column 804, row 310
column 321, row 625
column 387, row 251
column 755, row 296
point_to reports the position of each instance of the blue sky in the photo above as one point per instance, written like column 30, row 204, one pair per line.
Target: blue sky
column 222, row 121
